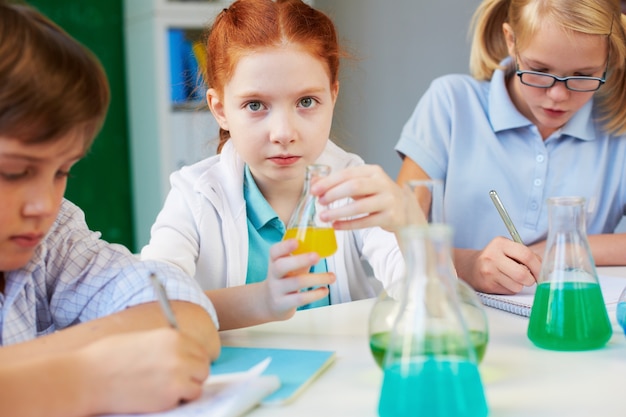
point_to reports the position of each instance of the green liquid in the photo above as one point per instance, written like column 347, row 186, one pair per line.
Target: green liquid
column 444, row 345
column 434, row 388
column 569, row 316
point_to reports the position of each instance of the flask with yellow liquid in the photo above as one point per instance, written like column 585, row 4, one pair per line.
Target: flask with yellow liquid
column 313, row 234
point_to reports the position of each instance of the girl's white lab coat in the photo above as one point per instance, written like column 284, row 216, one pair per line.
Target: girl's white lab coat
column 202, row 228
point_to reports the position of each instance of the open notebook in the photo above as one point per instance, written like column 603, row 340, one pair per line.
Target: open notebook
column 243, row 377
column 295, row 368
column 522, row 302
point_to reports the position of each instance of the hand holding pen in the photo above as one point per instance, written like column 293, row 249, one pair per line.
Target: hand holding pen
column 507, row 266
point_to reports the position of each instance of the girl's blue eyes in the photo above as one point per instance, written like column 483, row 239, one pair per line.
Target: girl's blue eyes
column 254, row 106
column 306, row 102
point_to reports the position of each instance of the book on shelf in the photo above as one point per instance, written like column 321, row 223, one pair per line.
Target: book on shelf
column 522, row 302
column 187, row 60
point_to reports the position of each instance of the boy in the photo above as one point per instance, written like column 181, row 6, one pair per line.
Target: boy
column 80, row 330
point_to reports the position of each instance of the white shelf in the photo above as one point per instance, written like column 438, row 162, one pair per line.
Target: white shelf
column 162, row 138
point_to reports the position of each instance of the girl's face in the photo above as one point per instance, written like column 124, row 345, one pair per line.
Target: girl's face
column 563, row 54
column 278, row 107
column 32, row 182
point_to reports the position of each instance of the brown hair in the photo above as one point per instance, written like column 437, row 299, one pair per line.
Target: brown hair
column 50, row 85
column 253, row 24
column 593, row 17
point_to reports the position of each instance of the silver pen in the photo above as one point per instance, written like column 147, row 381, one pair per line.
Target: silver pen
column 165, row 304
column 505, row 217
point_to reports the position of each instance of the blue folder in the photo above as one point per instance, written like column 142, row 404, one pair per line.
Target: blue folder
column 296, row 368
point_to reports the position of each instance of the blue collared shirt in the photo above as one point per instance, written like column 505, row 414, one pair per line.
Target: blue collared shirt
column 74, row 276
column 470, row 134
column 264, row 230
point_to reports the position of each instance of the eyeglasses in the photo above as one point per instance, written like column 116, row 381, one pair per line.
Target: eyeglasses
column 575, row 83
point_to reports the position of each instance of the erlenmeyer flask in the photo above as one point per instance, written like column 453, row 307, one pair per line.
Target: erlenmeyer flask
column 429, row 195
column 313, row 235
column 568, row 311
column 430, row 366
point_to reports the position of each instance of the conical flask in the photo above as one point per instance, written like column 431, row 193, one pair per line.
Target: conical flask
column 430, row 367
column 429, row 195
column 568, row 311
column 313, row 235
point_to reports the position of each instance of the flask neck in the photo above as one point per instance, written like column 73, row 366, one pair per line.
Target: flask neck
column 427, row 255
column 305, row 213
column 426, row 249
column 566, row 215
column 567, row 256
column 313, row 172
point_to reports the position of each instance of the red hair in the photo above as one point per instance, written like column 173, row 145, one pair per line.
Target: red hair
column 254, row 24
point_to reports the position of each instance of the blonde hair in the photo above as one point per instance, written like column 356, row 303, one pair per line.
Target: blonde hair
column 592, row 17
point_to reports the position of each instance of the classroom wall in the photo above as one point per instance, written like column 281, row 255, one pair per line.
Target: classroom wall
column 398, row 47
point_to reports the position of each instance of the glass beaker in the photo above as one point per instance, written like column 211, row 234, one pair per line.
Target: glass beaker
column 313, row 234
column 430, row 366
column 429, row 195
column 568, row 311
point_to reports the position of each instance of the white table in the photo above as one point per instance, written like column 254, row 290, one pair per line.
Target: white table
column 519, row 378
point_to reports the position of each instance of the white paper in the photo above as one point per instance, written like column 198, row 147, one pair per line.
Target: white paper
column 226, row 395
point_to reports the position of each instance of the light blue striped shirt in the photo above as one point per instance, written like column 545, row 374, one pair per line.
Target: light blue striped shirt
column 74, row 276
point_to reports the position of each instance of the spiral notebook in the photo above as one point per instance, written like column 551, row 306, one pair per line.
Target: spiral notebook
column 522, row 302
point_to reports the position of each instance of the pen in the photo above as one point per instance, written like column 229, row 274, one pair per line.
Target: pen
column 165, row 304
column 505, row 217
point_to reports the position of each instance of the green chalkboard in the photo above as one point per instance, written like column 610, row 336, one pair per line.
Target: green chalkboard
column 100, row 183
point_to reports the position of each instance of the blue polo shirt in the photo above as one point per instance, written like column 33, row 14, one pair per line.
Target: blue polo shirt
column 469, row 134
column 264, row 230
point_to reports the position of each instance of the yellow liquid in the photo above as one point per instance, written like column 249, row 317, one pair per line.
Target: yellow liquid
column 314, row 239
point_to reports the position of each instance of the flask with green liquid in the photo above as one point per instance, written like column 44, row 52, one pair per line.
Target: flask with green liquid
column 313, row 235
column 430, row 366
column 426, row 206
column 568, row 311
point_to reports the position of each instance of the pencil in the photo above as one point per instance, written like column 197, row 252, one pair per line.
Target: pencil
column 163, row 301
column 505, row 217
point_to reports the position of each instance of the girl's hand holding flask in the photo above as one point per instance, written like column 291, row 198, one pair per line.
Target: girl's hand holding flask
column 289, row 285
